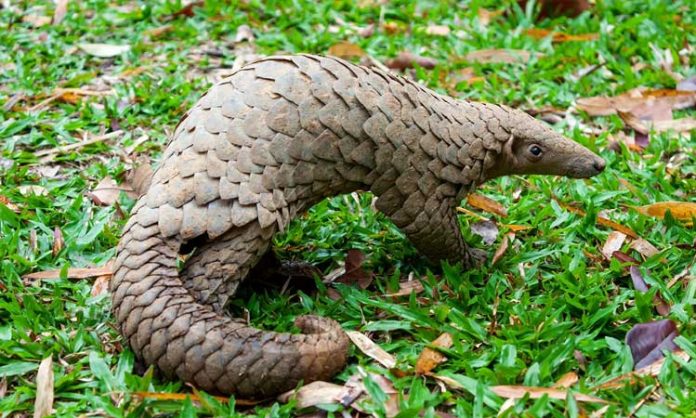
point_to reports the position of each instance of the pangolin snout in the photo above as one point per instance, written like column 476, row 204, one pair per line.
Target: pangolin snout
column 599, row 164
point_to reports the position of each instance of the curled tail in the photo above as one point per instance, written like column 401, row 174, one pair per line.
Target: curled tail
column 167, row 328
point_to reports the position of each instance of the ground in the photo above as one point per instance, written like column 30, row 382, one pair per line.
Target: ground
column 552, row 305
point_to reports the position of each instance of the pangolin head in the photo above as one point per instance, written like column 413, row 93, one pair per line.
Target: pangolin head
column 534, row 148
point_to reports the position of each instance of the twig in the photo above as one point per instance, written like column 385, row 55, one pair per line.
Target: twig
column 48, row 154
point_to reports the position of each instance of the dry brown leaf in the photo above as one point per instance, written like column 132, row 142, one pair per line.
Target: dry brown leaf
column 535, row 392
column 517, row 228
column 634, row 376
column 661, row 306
column 648, row 341
column 500, row 252
column 161, row 396
column 36, row 20
column 139, row 178
column 346, row 50
column 552, row 8
column 11, row 206
column 107, row 191
column 58, row 241
column 566, row 381
column 314, row 393
column 43, row 404
column 486, row 204
column 101, row 285
column 28, row 190
column 677, row 125
column 429, row 358
column 485, row 16
column 371, row 349
column 353, row 270
column 391, row 27
column 244, row 33
column 104, row 50
column 627, row 102
column 645, row 248
column 613, row 243
column 60, row 12
column 487, row 230
column 438, row 30
column 73, row 273
column 407, row 60
column 560, row 36
column 504, row 56
column 187, row 10
column 681, row 211
column 406, row 288
column 602, row 221
column 157, row 32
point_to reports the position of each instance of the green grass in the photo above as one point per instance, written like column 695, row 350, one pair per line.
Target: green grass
column 563, row 302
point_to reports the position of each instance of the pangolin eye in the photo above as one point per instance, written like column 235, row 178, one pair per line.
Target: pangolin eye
column 535, row 150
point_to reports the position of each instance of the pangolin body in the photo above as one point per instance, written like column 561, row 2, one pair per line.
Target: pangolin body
column 264, row 145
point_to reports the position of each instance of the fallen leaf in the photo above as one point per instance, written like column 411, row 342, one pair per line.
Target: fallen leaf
column 346, row 50
column 106, row 192
column 648, row 340
column 485, row 16
column 73, row 273
column 139, row 178
column 613, row 243
column 687, row 84
column 371, row 349
column 580, row 358
column 566, row 381
column 645, row 248
column 500, row 56
column 36, row 20
column 244, row 33
column 681, row 211
column 535, row 392
column 486, row 204
column 314, row 394
column 406, row 288
column 429, row 358
column 60, row 12
column 11, row 206
column 603, row 221
column 551, row 8
column 661, row 306
column 487, row 230
column 155, row 33
column 28, row 190
column 438, row 30
column 187, row 10
column 58, row 241
column 626, row 102
column 366, row 31
column 104, row 50
column 560, row 36
column 407, row 60
column 392, row 28
column 161, row 396
column 503, row 247
column 633, row 376
column 676, row 125
column 101, row 285
column 354, row 273
column 43, row 404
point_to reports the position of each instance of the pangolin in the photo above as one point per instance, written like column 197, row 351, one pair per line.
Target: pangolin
column 262, row 146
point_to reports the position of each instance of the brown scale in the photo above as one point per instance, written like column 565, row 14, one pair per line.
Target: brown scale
column 259, row 148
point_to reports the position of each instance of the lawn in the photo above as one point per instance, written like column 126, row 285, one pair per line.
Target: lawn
column 554, row 308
